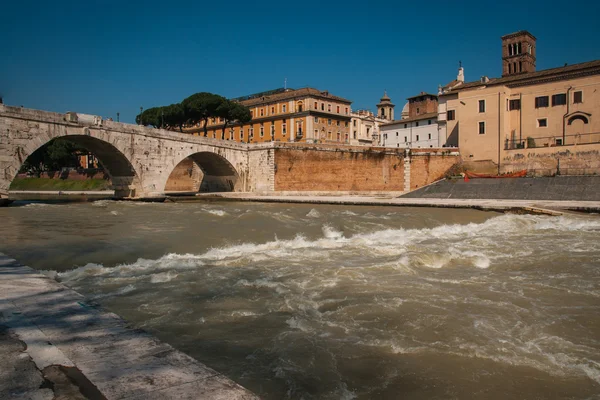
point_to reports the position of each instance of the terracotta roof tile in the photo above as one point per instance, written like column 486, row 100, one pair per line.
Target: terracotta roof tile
column 294, row 94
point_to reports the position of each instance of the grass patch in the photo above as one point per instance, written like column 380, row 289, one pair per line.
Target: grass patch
column 59, row 184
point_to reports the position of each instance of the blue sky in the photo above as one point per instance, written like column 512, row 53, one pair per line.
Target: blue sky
column 104, row 57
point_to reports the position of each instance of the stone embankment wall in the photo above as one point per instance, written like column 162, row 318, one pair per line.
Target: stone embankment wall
column 427, row 165
column 76, row 175
column 305, row 167
column 571, row 160
column 582, row 188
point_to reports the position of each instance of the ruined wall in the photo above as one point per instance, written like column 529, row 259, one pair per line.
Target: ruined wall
column 547, row 161
column 429, row 166
column 324, row 168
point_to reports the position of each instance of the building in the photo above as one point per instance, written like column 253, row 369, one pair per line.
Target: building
column 288, row 115
column 365, row 124
column 490, row 119
column 418, row 129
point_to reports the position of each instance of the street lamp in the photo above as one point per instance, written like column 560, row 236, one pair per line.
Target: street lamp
column 118, row 116
column 141, row 110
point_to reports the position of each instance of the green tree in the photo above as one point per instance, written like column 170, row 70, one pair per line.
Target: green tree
column 151, row 116
column 232, row 111
column 54, row 155
column 202, row 106
column 174, row 116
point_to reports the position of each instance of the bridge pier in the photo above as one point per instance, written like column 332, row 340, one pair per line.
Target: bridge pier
column 4, row 200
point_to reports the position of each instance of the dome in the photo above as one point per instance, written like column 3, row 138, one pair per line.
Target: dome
column 404, row 111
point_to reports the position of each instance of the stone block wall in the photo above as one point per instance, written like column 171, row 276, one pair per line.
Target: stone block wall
column 429, row 166
column 323, row 168
column 547, row 161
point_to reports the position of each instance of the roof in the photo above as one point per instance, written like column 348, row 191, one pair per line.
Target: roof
column 294, row 94
column 422, row 94
column 417, row 118
column 519, row 33
column 532, row 78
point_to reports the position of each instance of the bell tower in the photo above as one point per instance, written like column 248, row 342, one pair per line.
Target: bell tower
column 385, row 108
column 518, row 53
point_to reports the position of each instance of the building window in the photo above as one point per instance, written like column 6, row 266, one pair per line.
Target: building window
column 241, row 133
column 428, row 122
column 417, row 138
column 329, row 107
column 338, row 123
column 559, row 99
column 316, row 105
column 262, row 112
column 354, row 134
column 541, row 101
column 346, row 124
column 272, row 110
column 329, row 135
column 481, row 128
column 299, row 107
column 338, row 109
column 396, row 134
column 368, row 130
column 316, row 133
column 451, row 115
column 262, row 129
column 417, row 123
column 273, row 129
column 317, row 119
column 284, row 108
column 429, row 136
column 514, row 104
column 354, row 123
column 346, row 110
column 329, row 121
column 578, row 97
column 251, row 132
column 542, row 122
column 322, row 106
column 405, row 139
column 481, row 106
column 405, row 126
column 417, row 110
column 339, row 136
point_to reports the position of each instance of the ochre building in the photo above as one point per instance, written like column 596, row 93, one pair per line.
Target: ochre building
column 288, row 115
column 525, row 110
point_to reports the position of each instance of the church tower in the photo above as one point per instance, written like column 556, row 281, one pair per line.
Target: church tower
column 518, row 53
column 385, row 108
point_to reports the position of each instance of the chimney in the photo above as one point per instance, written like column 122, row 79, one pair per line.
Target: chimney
column 485, row 79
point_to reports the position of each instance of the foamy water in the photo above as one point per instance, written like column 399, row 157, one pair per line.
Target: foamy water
column 332, row 302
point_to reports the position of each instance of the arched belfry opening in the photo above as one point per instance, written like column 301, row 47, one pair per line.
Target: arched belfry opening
column 203, row 172
column 123, row 177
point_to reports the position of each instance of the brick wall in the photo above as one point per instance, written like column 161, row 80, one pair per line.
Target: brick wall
column 429, row 166
column 186, row 177
column 320, row 168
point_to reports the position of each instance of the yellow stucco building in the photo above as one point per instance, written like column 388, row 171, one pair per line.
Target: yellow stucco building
column 525, row 110
column 288, row 115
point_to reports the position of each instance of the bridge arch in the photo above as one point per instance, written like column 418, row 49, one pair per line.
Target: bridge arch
column 204, row 171
column 123, row 175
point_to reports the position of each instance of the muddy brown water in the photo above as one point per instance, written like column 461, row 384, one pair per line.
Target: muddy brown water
column 339, row 302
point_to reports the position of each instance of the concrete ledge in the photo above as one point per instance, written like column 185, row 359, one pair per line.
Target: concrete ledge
column 61, row 329
column 549, row 207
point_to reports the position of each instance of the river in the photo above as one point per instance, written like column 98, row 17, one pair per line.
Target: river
column 340, row 302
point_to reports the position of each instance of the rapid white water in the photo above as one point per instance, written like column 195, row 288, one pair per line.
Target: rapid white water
column 326, row 302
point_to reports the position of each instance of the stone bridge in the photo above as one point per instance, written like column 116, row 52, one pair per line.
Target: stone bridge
column 139, row 160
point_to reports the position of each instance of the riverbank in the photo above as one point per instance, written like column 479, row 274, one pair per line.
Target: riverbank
column 550, row 207
column 100, row 353
column 44, row 184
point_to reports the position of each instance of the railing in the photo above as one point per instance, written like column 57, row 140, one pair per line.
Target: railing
column 551, row 141
column 558, row 171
